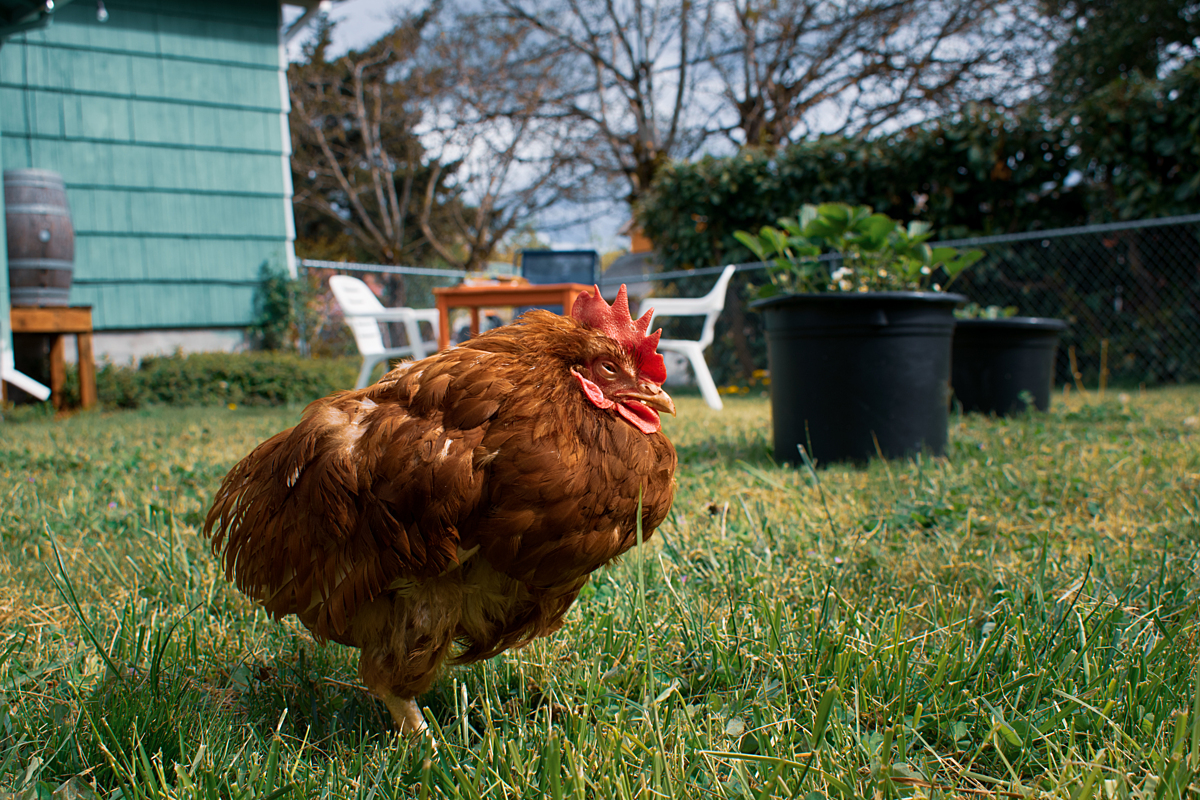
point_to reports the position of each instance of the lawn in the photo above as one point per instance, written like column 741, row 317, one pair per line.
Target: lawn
column 1015, row 619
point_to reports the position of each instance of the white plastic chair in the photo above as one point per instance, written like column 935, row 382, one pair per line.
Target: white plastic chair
column 9, row 374
column 710, row 307
column 364, row 312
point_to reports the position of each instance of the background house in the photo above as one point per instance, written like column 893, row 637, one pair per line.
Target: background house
column 168, row 122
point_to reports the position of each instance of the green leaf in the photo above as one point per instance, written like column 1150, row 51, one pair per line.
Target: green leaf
column 878, row 226
column 775, row 238
column 821, row 228
column 919, row 228
column 822, row 718
column 1009, row 733
column 857, row 215
column 910, row 268
column 752, row 243
column 835, row 213
column 960, row 262
column 868, row 243
column 942, row 254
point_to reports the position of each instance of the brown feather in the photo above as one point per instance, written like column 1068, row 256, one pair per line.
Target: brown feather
column 465, row 497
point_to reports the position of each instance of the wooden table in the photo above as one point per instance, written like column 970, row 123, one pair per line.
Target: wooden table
column 476, row 297
column 58, row 321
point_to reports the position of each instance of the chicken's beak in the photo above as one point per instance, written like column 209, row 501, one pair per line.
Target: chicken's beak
column 653, row 396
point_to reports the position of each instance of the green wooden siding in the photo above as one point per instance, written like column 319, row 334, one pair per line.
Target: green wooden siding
column 136, row 167
column 165, row 122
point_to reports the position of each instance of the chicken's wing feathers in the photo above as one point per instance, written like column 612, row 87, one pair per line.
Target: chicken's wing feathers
column 322, row 517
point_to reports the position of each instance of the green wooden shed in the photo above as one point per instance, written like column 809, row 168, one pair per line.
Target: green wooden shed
column 168, row 121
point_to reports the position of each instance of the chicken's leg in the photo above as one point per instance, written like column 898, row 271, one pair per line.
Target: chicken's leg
column 398, row 670
column 404, row 638
column 405, row 713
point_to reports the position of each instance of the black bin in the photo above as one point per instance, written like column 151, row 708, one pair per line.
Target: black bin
column 859, row 374
column 996, row 361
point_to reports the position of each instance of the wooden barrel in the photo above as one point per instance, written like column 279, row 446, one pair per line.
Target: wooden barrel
column 41, row 240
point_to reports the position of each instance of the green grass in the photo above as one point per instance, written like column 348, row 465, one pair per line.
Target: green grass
column 1018, row 618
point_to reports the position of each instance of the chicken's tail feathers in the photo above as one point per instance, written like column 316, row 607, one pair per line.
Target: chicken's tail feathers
column 262, row 551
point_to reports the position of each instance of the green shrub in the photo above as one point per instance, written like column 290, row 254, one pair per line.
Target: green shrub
column 1129, row 151
column 979, row 172
column 213, row 379
column 298, row 315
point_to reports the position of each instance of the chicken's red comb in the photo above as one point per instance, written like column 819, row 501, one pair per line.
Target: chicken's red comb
column 616, row 322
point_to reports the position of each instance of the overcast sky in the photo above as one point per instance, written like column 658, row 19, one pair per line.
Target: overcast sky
column 360, row 22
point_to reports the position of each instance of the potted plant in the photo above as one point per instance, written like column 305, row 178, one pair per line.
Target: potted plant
column 858, row 333
column 1001, row 362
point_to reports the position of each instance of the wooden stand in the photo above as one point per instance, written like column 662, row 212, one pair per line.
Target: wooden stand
column 57, row 322
column 509, row 294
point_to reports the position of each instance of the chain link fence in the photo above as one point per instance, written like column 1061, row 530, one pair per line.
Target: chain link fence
column 1130, row 293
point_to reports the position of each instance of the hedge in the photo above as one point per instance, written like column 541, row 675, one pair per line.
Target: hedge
column 1130, row 151
column 219, row 379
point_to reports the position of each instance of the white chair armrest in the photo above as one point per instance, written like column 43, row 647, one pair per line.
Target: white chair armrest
column 427, row 315
column 673, row 307
column 386, row 315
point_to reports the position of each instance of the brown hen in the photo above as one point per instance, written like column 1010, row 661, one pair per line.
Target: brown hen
column 464, row 498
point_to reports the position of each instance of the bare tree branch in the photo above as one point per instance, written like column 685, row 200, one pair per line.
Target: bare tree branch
column 647, row 82
column 604, row 61
column 806, row 66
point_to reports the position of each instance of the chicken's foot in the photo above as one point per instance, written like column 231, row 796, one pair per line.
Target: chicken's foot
column 405, row 713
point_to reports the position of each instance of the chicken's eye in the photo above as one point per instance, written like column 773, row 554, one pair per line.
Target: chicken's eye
column 607, row 369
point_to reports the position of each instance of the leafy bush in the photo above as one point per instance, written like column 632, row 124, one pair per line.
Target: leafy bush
column 873, row 252
column 217, row 379
column 975, row 173
column 1129, row 151
column 298, row 315
column 1139, row 146
column 277, row 303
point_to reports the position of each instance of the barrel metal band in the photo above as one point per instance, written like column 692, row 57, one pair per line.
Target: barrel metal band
column 38, row 208
column 40, row 263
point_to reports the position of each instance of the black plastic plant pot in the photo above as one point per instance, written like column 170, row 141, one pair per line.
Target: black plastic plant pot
column 996, row 362
column 855, row 375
